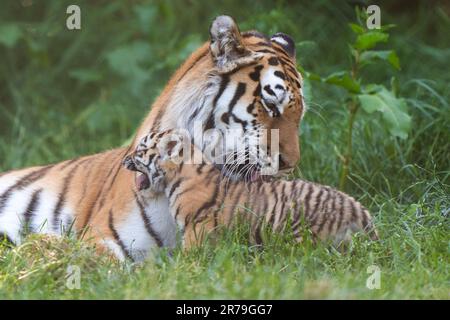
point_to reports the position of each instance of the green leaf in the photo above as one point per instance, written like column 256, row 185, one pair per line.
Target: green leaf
column 132, row 62
column 307, row 90
column 307, row 74
column 344, row 80
column 313, row 76
column 10, row 34
column 306, row 45
column 372, row 88
column 146, row 16
column 370, row 56
column 356, row 28
column 387, row 27
column 394, row 60
column 394, row 111
column 370, row 39
column 127, row 60
column 85, row 75
column 394, row 86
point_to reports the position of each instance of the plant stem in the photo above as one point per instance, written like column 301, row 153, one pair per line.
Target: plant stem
column 353, row 108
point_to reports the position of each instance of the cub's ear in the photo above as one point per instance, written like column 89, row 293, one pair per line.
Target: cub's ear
column 227, row 47
column 285, row 42
column 128, row 163
column 171, row 147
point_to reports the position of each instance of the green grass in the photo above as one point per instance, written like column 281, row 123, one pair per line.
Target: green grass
column 64, row 94
column 412, row 257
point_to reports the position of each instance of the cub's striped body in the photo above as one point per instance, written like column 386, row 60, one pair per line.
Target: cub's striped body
column 234, row 81
column 201, row 200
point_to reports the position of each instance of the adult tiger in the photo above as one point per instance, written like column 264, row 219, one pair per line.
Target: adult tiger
column 235, row 82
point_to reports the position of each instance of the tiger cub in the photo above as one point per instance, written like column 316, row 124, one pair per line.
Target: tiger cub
column 200, row 199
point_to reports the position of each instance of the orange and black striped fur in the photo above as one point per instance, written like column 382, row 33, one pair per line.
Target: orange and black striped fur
column 201, row 200
column 246, row 82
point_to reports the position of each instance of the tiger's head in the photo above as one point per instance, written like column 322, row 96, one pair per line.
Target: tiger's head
column 236, row 95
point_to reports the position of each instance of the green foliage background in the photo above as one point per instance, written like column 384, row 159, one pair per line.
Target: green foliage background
column 68, row 93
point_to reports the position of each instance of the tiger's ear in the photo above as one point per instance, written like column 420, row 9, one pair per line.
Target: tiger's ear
column 285, row 42
column 227, row 47
column 128, row 163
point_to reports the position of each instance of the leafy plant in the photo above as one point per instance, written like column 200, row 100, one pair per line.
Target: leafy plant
column 368, row 97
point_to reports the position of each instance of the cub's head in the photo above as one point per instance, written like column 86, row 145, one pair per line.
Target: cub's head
column 156, row 155
column 237, row 95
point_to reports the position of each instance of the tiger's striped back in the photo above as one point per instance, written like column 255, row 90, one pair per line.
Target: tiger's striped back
column 57, row 198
